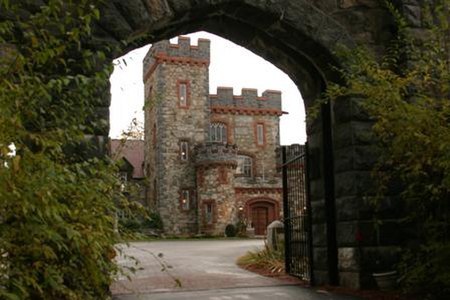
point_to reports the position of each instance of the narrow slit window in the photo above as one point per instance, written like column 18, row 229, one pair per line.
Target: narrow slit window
column 260, row 134
column 185, row 199
column 209, row 213
column 182, row 94
column 184, row 150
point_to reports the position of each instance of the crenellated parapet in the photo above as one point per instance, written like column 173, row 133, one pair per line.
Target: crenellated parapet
column 181, row 53
column 212, row 153
column 248, row 102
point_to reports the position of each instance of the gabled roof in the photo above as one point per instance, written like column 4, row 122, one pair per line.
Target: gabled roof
column 132, row 151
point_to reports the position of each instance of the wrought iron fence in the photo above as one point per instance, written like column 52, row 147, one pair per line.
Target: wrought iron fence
column 297, row 217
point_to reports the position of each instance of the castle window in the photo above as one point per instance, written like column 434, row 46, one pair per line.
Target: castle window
column 154, row 135
column 245, row 166
column 218, row 132
column 183, row 93
column 260, row 134
column 184, row 150
column 185, row 201
column 209, row 213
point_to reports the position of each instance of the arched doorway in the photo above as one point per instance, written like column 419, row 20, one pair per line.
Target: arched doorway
column 261, row 212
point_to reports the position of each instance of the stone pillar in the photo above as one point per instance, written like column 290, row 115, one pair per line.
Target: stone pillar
column 355, row 154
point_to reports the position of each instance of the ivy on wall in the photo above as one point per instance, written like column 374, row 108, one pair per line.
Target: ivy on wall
column 407, row 94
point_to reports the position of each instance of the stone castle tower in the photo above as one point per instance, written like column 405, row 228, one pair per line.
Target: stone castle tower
column 210, row 159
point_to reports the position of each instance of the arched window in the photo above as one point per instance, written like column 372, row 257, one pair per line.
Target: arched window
column 218, row 132
column 245, row 166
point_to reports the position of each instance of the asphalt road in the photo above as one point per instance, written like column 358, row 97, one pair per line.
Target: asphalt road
column 199, row 269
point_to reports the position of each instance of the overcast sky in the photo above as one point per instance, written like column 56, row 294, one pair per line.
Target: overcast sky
column 231, row 65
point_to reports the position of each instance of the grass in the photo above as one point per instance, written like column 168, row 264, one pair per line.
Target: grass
column 264, row 259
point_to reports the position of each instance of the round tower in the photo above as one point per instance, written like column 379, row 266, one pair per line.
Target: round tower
column 215, row 167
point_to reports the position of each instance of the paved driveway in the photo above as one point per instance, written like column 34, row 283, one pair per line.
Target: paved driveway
column 199, row 269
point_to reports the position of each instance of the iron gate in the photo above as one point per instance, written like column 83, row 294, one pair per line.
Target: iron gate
column 297, row 212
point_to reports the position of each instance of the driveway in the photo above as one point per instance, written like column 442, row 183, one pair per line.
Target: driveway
column 199, row 269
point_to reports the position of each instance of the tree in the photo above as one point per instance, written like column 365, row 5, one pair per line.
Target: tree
column 56, row 206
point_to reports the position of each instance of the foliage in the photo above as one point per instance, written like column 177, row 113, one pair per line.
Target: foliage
column 266, row 258
column 241, row 229
column 57, row 208
column 230, row 230
column 407, row 94
column 140, row 220
column 153, row 221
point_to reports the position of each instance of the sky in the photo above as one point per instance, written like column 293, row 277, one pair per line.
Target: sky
column 231, row 65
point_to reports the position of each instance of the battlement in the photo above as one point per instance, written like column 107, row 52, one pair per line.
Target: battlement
column 269, row 100
column 182, row 52
column 212, row 153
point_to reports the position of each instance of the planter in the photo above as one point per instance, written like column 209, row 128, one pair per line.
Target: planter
column 386, row 281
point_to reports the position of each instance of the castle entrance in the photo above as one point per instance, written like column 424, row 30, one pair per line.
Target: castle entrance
column 263, row 214
column 301, row 38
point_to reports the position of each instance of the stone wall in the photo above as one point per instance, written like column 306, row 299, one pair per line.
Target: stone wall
column 248, row 98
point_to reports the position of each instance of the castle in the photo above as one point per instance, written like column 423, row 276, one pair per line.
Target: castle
column 210, row 160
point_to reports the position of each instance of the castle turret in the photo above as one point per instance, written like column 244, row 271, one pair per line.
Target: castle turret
column 216, row 164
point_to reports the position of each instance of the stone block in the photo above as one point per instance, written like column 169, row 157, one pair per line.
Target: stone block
column 275, row 234
column 320, row 258
column 114, row 21
column 346, row 233
column 348, row 259
column 355, row 158
column 353, row 208
column 350, row 280
column 353, row 133
column 318, row 212
column 413, row 14
column 354, row 183
column 315, row 163
column 319, row 235
column 349, row 109
column 358, row 3
column 321, row 277
column 316, row 190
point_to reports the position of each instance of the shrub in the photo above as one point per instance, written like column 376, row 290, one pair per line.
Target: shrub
column 266, row 258
column 230, row 230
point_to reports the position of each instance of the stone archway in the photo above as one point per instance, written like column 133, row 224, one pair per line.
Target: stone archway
column 299, row 37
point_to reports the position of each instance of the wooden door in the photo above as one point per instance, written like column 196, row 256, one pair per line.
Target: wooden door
column 260, row 217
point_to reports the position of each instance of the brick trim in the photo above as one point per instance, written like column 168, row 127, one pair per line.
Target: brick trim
column 200, row 177
column 258, row 190
column 164, row 58
column 246, row 111
column 222, row 176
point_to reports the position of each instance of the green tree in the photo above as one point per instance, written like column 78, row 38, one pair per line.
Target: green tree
column 407, row 94
column 56, row 207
